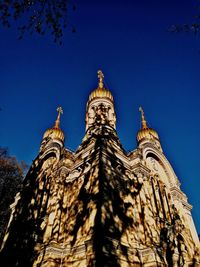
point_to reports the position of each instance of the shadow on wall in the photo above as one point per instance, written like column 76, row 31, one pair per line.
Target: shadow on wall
column 103, row 204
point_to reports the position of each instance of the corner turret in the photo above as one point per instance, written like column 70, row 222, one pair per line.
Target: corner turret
column 53, row 138
column 146, row 134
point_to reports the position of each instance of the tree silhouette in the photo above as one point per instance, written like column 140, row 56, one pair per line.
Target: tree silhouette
column 192, row 27
column 11, row 176
column 40, row 16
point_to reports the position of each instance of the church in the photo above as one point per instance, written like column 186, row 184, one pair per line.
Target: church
column 100, row 206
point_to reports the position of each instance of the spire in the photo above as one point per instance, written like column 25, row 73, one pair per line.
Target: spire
column 101, row 77
column 146, row 133
column 57, row 123
column 100, row 98
column 144, row 123
column 55, row 132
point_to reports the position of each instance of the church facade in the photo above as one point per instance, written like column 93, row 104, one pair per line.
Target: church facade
column 100, row 206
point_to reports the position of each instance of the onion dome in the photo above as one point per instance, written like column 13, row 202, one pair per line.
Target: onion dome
column 146, row 132
column 55, row 132
column 101, row 91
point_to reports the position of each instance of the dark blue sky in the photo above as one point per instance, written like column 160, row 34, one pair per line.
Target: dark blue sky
column 143, row 64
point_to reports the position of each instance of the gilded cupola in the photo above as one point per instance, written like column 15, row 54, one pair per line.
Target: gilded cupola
column 100, row 106
column 100, row 91
column 55, row 132
column 145, row 132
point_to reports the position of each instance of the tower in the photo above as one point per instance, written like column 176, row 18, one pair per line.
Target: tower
column 100, row 206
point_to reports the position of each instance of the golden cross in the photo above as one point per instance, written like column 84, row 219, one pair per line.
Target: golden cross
column 101, row 77
column 141, row 110
column 144, row 123
column 60, row 111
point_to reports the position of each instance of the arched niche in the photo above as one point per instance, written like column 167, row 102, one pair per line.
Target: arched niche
column 157, row 162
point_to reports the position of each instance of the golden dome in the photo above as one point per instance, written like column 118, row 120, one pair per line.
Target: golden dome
column 146, row 132
column 55, row 132
column 101, row 91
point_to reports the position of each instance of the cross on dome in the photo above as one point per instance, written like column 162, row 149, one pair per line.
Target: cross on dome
column 101, row 77
column 60, row 111
column 144, row 123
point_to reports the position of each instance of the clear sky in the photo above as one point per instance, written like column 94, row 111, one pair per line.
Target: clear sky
column 143, row 64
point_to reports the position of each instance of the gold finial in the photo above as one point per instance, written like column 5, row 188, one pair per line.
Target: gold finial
column 57, row 123
column 100, row 76
column 144, row 123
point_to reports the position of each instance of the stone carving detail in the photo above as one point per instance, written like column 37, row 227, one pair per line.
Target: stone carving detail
column 101, row 114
